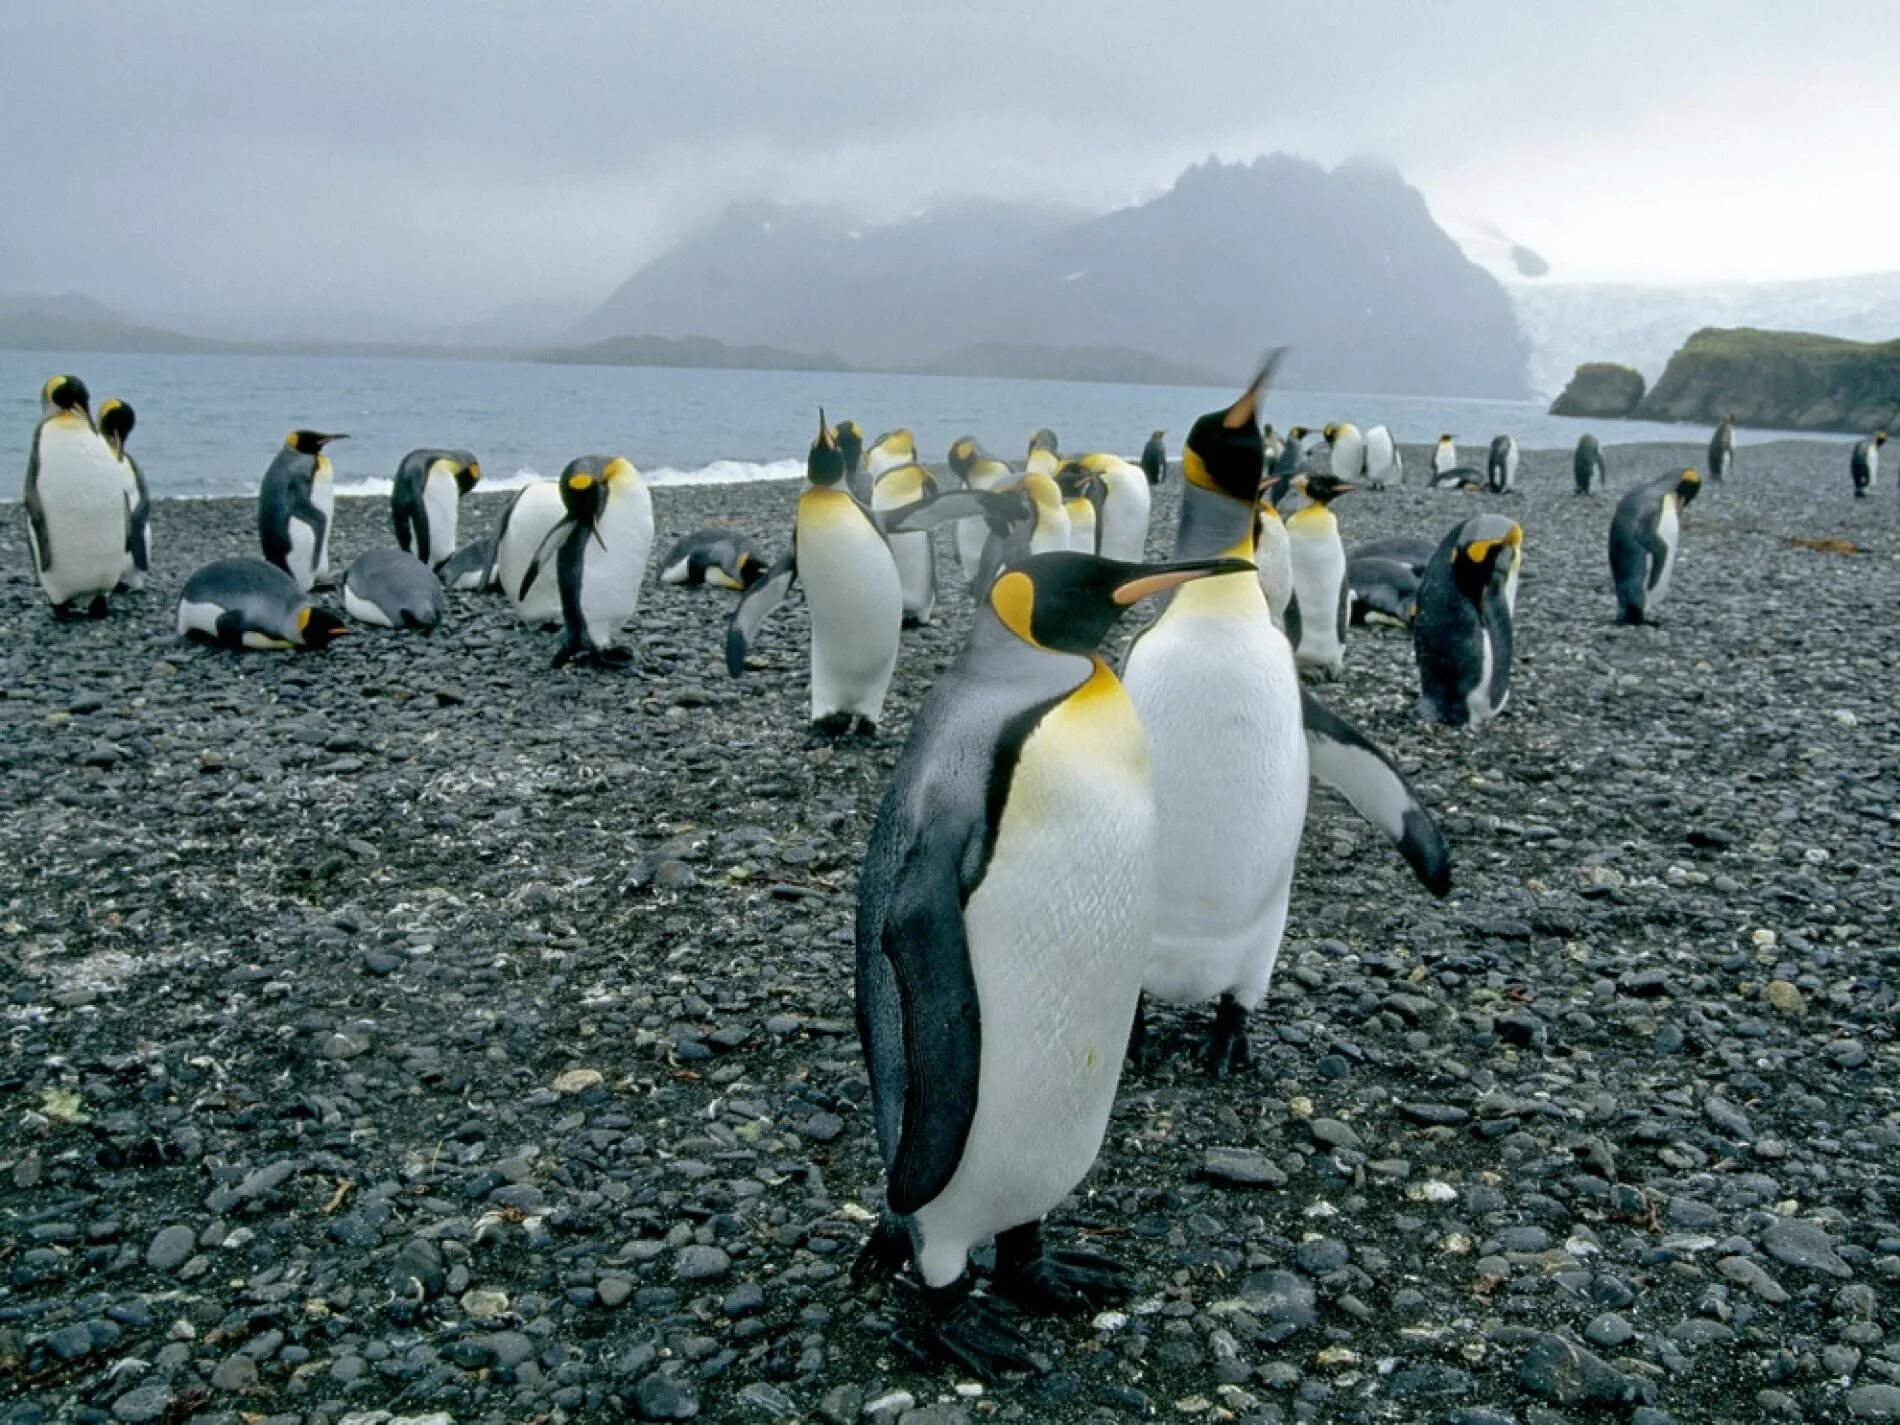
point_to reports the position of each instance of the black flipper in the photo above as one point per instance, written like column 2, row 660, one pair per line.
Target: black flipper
column 36, row 512
column 1658, row 555
column 995, row 507
column 550, row 542
column 1292, row 620
column 1346, row 760
column 756, row 605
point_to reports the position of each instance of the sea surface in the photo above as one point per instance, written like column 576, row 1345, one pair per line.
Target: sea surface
column 209, row 425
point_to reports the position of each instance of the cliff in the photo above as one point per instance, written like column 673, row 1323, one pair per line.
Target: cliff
column 1600, row 390
column 1782, row 380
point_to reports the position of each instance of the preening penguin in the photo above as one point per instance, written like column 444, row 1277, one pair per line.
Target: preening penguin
column 1077, row 484
column 426, row 500
column 392, row 589
column 978, row 470
column 1319, row 576
column 1124, row 503
column 599, row 556
column 1645, row 536
column 1463, row 637
column 851, row 446
column 526, row 522
column 887, row 452
column 116, row 420
column 294, row 505
column 248, row 604
column 76, row 503
column 1004, row 919
column 1588, row 467
column 1500, row 471
column 852, row 588
column 1444, row 454
column 1154, row 457
column 1863, row 463
column 1382, row 459
column 1722, row 450
column 897, row 487
column 723, row 558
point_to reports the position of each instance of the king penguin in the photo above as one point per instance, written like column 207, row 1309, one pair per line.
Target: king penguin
column 245, row 604
column 1292, row 457
column 1588, row 467
column 1274, row 559
column 1462, row 635
column 76, row 504
column 717, row 556
column 1500, row 467
column 851, row 447
column 1005, row 910
column 1124, row 504
column 388, row 588
column 1346, row 451
column 1154, row 457
column 1077, row 484
column 1722, row 450
column 426, row 501
column 1382, row 459
column 1645, row 535
column 116, row 420
column 852, row 588
column 1444, row 455
column 1044, row 455
column 293, row 508
column 1863, row 463
column 978, row 470
column 1234, row 738
column 599, row 556
column 896, row 487
column 1319, row 576
column 525, row 524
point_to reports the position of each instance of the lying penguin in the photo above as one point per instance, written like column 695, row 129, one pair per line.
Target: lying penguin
column 393, row 589
column 716, row 556
column 248, row 604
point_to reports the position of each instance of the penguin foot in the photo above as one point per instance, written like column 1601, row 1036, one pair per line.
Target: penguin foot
column 98, row 607
column 968, row 1333
column 864, row 730
column 1141, row 1052
column 1229, row 1050
column 1056, row 1279
column 832, row 726
column 614, row 657
column 883, row 1253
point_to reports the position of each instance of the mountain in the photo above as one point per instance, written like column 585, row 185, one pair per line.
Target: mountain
column 1791, row 380
column 1346, row 266
column 1031, row 361
column 70, row 322
column 689, row 351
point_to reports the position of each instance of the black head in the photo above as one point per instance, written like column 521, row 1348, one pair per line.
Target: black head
column 964, row 453
column 1225, row 452
column 1068, row 602
column 115, row 422
column 825, row 464
column 1688, row 486
column 319, row 628
column 1074, row 480
column 1880, row 437
column 1162, row 434
column 310, row 442
column 1482, row 542
column 1323, row 489
column 751, row 570
column 850, row 438
column 471, row 472
column 1044, row 439
column 583, row 491
column 66, row 393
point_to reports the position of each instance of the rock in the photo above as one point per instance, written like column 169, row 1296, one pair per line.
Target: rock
column 170, row 1248
column 1333, row 1133
column 1802, row 1244
column 612, row 1291
column 1240, row 1167
column 662, row 1396
column 1600, row 390
column 575, row 1081
column 234, row 1373
column 1784, row 997
column 1569, row 1374
column 699, row 1264
column 1751, row 1274
column 769, row 1401
column 1609, row 1331
column 143, row 1404
column 1874, row 1402
column 1282, row 1302
column 1790, row 380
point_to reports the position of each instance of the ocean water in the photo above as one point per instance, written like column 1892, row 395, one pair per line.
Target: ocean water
column 209, row 425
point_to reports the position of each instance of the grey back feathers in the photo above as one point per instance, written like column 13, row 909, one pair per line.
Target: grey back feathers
column 394, row 590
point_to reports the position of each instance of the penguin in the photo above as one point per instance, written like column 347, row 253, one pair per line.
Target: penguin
column 77, row 504
column 1292, row 457
column 1274, row 559
column 599, row 557
column 426, row 501
column 471, row 568
column 1382, row 459
column 1645, row 535
column 1272, row 444
column 1077, row 484
column 1004, row 917
column 247, row 604
column 978, row 470
column 1459, row 477
column 1462, row 635
column 887, row 452
column 1044, row 455
column 1588, row 467
column 1500, row 469
column 526, row 522
column 716, row 556
column 1383, row 592
column 1319, row 576
column 851, row 447
column 1346, row 451
column 1234, row 739
column 1154, row 457
column 1722, row 450
column 390, row 588
column 853, row 590
column 916, row 554
column 294, row 505
column 1124, row 505
column 1444, row 454
column 116, row 420
column 1863, row 464
column 1412, row 550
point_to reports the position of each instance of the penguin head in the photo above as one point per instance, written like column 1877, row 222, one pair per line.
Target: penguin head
column 1297, row 432
column 1688, row 486
column 310, row 442
column 1880, row 437
column 66, row 393
column 470, row 474
column 1161, row 434
column 1066, row 602
column 1323, row 489
column 751, row 570
column 1443, row 438
column 1331, row 432
column 850, row 444
column 964, row 453
column 318, row 628
column 825, row 464
column 584, row 490
column 1225, row 452
column 115, row 423
column 618, row 474
column 1485, row 543
column 1044, row 439
column 1074, row 480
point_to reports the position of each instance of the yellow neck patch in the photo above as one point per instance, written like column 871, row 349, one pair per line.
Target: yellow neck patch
column 1195, row 470
column 1014, row 598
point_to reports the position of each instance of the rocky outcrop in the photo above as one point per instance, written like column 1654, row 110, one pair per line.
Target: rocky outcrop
column 1780, row 380
column 1601, row 390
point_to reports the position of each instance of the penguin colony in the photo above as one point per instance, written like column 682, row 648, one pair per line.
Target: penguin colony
column 1060, row 839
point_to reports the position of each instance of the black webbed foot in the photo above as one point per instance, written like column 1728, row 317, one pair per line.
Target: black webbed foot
column 1142, row 1052
column 1229, row 1050
column 884, row 1252
column 968, row 1332
column 1056, row 1279
column 832, row 726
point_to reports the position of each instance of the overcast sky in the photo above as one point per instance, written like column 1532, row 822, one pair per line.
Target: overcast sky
column 324, row 159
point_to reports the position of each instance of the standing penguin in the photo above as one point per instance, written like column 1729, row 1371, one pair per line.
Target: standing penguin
column 1346, row 451
column 1462, row 635
column 388, row 588
column 1272, row 444
column 978, row 470
column 1722, row 450
column 426, row 501
column 599, row 553
column 245, row 604
column 1044, row 453
column 1382, row 459
column 1234, row 738
column 293, row 522
column 1588, row 467
column 1645, row 535
column 1124, row 504
column 1500, row 470
column 1444, row 455
column 115, row 424
column 1273, row 557
column 1077, row 484
column 1319, row 576
column 1863, row 464
column 851, row 446
column 1005, row 913
column 76, row 503
column 1292, row 457
column 1154, row 457
column 916, row 554
column 851, row 584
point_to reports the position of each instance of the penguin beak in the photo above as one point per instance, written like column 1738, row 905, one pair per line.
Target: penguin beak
column 323, row 440
column 1242, row 411
column 1343, row 489
column 826, row 437
column 1159, row 578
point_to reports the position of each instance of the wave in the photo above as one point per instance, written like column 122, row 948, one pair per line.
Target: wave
column 719, row 472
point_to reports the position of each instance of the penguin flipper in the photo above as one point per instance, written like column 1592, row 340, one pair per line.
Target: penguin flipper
column 755, row 606
column 1349, row 762
column 1291, row 618
column 36, row 513
column 1658, row 556
column 933, row 510
column 549, row 542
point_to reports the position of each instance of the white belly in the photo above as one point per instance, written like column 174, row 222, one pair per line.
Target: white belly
column 915, row 574
column 1082, row 527
column 323, row 496
column 198, row 618
column 303, row 554
column 972, row 535
column 535, row 514
column 441, row 503
column 1478, row 701
column 1124, row 519
column 1058, row 935
column 1349, row 457
column 363, row 610
column 856, row 601
column 1051, row 533
column 611, row 576
column 1378, row 457
column 1444, row 457
column 82, row 494
column 1275, row 563
column 1215, row 685
column 1319, row 573
column 1669, row 531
